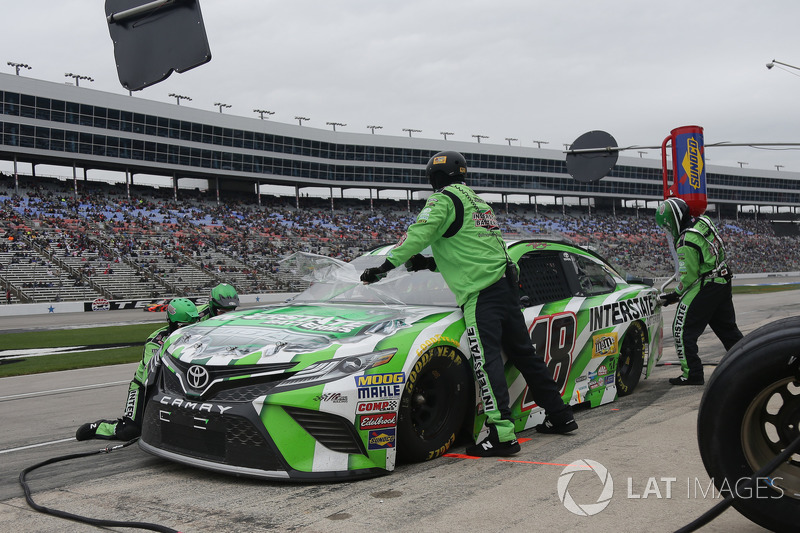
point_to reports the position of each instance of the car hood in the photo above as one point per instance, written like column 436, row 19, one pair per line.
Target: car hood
column 283, row 334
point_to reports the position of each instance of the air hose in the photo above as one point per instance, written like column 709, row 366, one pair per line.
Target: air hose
column 79, row 518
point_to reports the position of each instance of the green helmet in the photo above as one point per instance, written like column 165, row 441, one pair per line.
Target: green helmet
column 673, row 215
column 224, row 296
column 182, row 311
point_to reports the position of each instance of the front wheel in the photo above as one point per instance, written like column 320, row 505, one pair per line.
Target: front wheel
column 434, row 405
column 749, row 413
column 631, row 358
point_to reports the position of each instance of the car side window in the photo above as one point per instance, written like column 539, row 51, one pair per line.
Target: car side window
column 593, row 278
column 542, row 278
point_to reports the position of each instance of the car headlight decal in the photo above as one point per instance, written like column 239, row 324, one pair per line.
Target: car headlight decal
column 335, row 369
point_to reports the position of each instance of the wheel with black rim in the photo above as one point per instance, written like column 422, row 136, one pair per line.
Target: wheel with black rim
column 435, row 404
column 631, row 358
column 749, row 413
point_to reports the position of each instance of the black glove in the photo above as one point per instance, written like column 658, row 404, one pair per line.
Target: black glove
column 669, row 298
column 371, row 275
column 419, row 262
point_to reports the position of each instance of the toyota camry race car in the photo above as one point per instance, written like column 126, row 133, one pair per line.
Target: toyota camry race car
column 346, row 378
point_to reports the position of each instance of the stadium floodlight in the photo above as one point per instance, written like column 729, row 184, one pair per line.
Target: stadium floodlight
column 775, row 62
column 300, row 119
column 742, row 163
column 778, row 167
column 540, row 143
column 509, row 139
column 78, row 77
column 410, row 130
column 445, row 134
column 179, row 97
column 263, row 112
column 220, row 105
column 373, row 128
column 334, row 124
column 479, row 137
column 18, row 66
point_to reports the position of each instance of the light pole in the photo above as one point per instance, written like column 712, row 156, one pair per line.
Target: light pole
column 641, row 154
column 263, row 112
column 479, row 137
column 509, row 139
column 742, row 163
column 18, row 66
column 334, row 124
column 373, row 128
column 78, row 77
column 540, row 143
column 220, row 105
column 301, row 119
column 410, row 130
column 774, row 62
column 778, row 167
column 446, row 133
column 179, row 97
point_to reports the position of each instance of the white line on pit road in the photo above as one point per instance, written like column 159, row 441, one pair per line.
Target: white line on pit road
column 59, row 391
column 36, row 445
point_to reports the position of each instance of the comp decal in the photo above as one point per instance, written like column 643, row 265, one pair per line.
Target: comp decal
column 380, row 406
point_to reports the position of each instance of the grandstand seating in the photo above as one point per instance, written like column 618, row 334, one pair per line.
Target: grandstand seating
column 105, row 244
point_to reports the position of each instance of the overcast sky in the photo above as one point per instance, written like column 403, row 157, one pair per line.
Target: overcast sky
column 526, row 69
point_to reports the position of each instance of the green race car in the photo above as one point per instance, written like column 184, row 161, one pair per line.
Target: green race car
column 346, row 379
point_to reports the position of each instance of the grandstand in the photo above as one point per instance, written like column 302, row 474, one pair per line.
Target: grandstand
column 70, row 238
column 57, row 249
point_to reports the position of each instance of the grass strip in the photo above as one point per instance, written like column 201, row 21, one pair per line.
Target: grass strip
column 56, row 338
column 69, row 361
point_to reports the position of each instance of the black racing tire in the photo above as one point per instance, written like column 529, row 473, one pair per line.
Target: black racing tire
column 749, row 413
column 631, row 358
column 436, row 401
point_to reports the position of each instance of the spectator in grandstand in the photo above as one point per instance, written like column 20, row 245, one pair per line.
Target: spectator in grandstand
column 704, row 289
column 469, row 251
column 224, row 298
column 180, row 312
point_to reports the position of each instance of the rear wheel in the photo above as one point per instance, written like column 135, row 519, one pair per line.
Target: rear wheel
column 749, row 413
column 434, row 405
column 631, row 358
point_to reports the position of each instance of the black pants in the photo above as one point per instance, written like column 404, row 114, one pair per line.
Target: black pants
column 497, row 318
column 711, row 306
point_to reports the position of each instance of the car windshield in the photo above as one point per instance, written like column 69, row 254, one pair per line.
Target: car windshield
column 333, row 280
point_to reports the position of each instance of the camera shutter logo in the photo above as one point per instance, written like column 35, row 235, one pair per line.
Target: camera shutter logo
column 587, row 509
column 197, row 377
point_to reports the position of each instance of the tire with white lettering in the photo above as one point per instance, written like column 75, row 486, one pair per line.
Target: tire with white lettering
column 631, row 358
column 749, row 413
column 436, row 401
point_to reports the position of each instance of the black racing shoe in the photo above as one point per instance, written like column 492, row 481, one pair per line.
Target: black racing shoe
column 102, row 429
column 560, row 423
column 120, row 429
column 492, row 447
column 683, row 380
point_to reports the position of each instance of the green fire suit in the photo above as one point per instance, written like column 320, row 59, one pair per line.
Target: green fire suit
column 705, row 294
column 469, row 251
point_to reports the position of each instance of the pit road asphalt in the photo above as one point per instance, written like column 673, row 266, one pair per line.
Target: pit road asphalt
column 646, row 442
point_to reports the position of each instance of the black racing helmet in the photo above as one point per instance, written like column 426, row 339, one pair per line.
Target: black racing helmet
column 445, row 168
